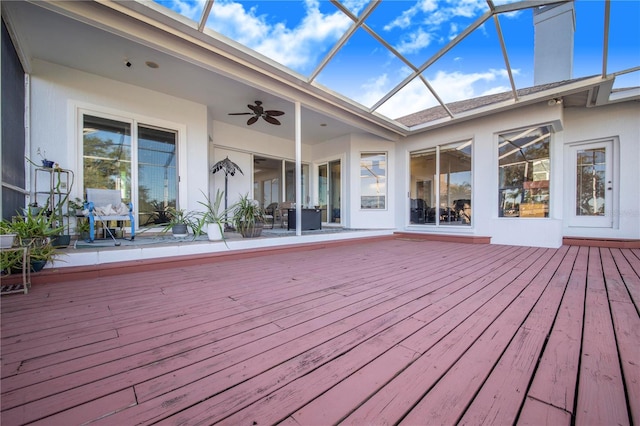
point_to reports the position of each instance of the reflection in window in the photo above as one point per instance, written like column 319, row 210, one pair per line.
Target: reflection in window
column 590, row 178
column 524, row 173
column 441, row 185
column 107, row 155
column 157, row 174
column 373, row 180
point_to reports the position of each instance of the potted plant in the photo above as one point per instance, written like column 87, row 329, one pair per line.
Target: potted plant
column 83, row 228
column 214, row 217
column 248, row 217
column 7, row 236
column 179, row 222
column 75, row 207
column 35, row 232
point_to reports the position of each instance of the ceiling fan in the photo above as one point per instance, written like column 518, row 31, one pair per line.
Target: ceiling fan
column 259, row 111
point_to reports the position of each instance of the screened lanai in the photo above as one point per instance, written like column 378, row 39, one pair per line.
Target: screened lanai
column 396, row 58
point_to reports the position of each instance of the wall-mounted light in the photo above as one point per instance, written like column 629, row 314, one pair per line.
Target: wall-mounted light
column 554, row 101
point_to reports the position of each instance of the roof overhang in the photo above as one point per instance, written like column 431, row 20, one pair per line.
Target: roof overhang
column 598, row 89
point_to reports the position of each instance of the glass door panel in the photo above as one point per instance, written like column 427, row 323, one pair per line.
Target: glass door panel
column 334, row 191
column 106, row 147
column 455, row 184
column 323, row 189
column 440, row 191
column 267, row 180
column 290, row 182
column 593, row 184
column 157, row 175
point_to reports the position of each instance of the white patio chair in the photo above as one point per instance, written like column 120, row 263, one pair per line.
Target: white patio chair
column 105, row 205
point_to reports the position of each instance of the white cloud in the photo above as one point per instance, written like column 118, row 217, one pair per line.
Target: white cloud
column 425, row 19
column 450, row 87
column 190, row 9
column 414, row 42
column 297, row 47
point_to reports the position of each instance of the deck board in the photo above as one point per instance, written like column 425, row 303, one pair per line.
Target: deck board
column 601, row 395
column 385, row 331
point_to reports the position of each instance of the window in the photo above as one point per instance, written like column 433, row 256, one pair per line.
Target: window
column 268, row 175
column 373, row 180
column 441, row 185
column 141, row 164
column 524, row 173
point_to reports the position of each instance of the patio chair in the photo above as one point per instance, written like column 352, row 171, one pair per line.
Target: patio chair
column 272, row 214
column 105, row 205
column 284, row 213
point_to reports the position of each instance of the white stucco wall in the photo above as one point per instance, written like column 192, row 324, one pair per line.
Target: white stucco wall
column 621, row 123
column 57, row 93
column 238, row 143
column 484, row 132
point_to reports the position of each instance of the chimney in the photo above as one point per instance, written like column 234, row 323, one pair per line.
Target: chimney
column 554, row 27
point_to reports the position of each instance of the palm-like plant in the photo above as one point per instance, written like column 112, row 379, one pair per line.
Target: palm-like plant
column 247, row 216
column 214, row 214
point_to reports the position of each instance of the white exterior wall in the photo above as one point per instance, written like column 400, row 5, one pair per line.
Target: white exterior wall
column 620, row 122
column 57, row 93
column 545, row 232
column 368, row 218
column 238, row 143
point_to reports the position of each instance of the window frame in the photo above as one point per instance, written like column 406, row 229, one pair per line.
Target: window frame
column 384, row 197
column 434, row 190
column 529, row 188
column 134, row 121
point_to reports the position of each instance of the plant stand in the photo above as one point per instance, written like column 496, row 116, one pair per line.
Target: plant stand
column 19, row 287
column 52, row 188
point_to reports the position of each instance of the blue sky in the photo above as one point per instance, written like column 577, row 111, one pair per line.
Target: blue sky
column 298, row 34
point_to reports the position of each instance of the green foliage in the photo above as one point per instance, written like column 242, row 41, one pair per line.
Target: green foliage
column 33, row 231
column 182, row 217
column 34, row 225
column 10, row 260
column 246, row 213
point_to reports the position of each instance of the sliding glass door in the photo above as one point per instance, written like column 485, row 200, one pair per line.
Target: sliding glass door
column 329, row 187
column 274, row 181
column 140, row 164
column 441, row 185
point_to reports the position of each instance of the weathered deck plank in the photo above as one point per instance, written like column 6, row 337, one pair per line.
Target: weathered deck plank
column 601, row 394
column 557, row 373
column 380, row 332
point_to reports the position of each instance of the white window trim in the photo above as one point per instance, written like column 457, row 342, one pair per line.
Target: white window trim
column 76, row 123
column 386, row 183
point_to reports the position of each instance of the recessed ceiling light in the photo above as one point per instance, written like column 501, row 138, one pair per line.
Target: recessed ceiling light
column 151, row 64
column 323, row 124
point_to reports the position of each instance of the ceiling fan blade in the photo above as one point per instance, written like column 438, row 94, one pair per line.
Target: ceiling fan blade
column 271, row 120
column 252, row 120
column 274, row 113
column 240, row 113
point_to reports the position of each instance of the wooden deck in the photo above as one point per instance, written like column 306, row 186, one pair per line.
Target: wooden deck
column 382, row 332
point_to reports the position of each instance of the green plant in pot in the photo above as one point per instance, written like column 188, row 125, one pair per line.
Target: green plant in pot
column 214, row 218
column 35, row 232
column 83, row 228
column 7, row 236
column 179, row 222
column 248, row 217
column 75, row 207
